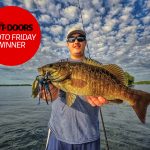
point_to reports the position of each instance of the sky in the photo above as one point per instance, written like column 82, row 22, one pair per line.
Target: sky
column 118, row 32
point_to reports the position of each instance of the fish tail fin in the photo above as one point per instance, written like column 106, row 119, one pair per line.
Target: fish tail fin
column 142, row 100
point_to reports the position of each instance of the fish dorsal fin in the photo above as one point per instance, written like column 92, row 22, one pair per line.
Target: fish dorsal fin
column 92, row 62
column 112, row 68
column 70, row 98
column 116, row 71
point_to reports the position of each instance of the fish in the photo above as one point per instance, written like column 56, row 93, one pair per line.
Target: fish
column 91, row 78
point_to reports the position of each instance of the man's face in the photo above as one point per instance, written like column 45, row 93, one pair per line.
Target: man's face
column 76, row 48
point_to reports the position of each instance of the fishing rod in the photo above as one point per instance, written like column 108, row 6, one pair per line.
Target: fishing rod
column 83, row 26
column 100, row 110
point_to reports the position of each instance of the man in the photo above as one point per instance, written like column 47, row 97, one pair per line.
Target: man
column 75, row 127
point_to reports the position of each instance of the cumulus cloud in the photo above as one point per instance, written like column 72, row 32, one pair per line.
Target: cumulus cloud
column 70, row 13
column 147, row 4
column 44, row 18
column 110, row 23
column 113, row 2
column 56, row 29
column 87, row 15
column 8, row 2
column 63, row 21
column 41, row 3
column 146, row 20
column 96, row 2
column 54, row 10
column 124, row 18
column 128, row 29
column 29, row 4
column 127, row 10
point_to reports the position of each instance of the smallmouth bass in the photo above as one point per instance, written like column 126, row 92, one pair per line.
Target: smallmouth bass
column 89, row 78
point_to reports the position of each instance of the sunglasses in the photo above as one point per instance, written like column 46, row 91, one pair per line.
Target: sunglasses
column 78, row 38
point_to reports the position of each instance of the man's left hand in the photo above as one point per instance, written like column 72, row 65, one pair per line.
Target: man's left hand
column 96, row 100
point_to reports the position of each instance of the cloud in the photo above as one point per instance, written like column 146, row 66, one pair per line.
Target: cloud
column 147, row 4
column 96, row 2
column 113, row 2
column 146, row 19
column 63, row 21
column 87, row 15
column 29, row 4
column 107, row 28
column 8, row 2
column 124, row 18
column 41, row 3
column 70, row 13
column 54, row 10
column 56, row 29
column 128, row 29
column 127, row 10
column 44, row 18
column 110, row 23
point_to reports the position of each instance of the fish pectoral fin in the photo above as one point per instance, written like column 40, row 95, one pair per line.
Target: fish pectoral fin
column 70, row 98
column 117, row 101
column 79, row 83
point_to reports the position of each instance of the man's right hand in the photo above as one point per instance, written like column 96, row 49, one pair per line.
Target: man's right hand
column 96, row 100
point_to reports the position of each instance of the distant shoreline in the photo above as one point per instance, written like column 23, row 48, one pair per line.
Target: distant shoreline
column 15, row 85
column 142, row 82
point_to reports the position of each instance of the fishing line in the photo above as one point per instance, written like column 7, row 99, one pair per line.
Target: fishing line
column 45, row 94
column 83, row 26
column 100, row 111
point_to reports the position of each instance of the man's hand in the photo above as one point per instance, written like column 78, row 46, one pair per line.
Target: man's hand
column 96, row 100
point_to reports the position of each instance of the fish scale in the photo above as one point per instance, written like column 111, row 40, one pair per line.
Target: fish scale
column 92, row 74
column 98, row 76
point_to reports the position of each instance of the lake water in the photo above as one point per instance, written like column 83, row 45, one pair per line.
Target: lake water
column 23, row 123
